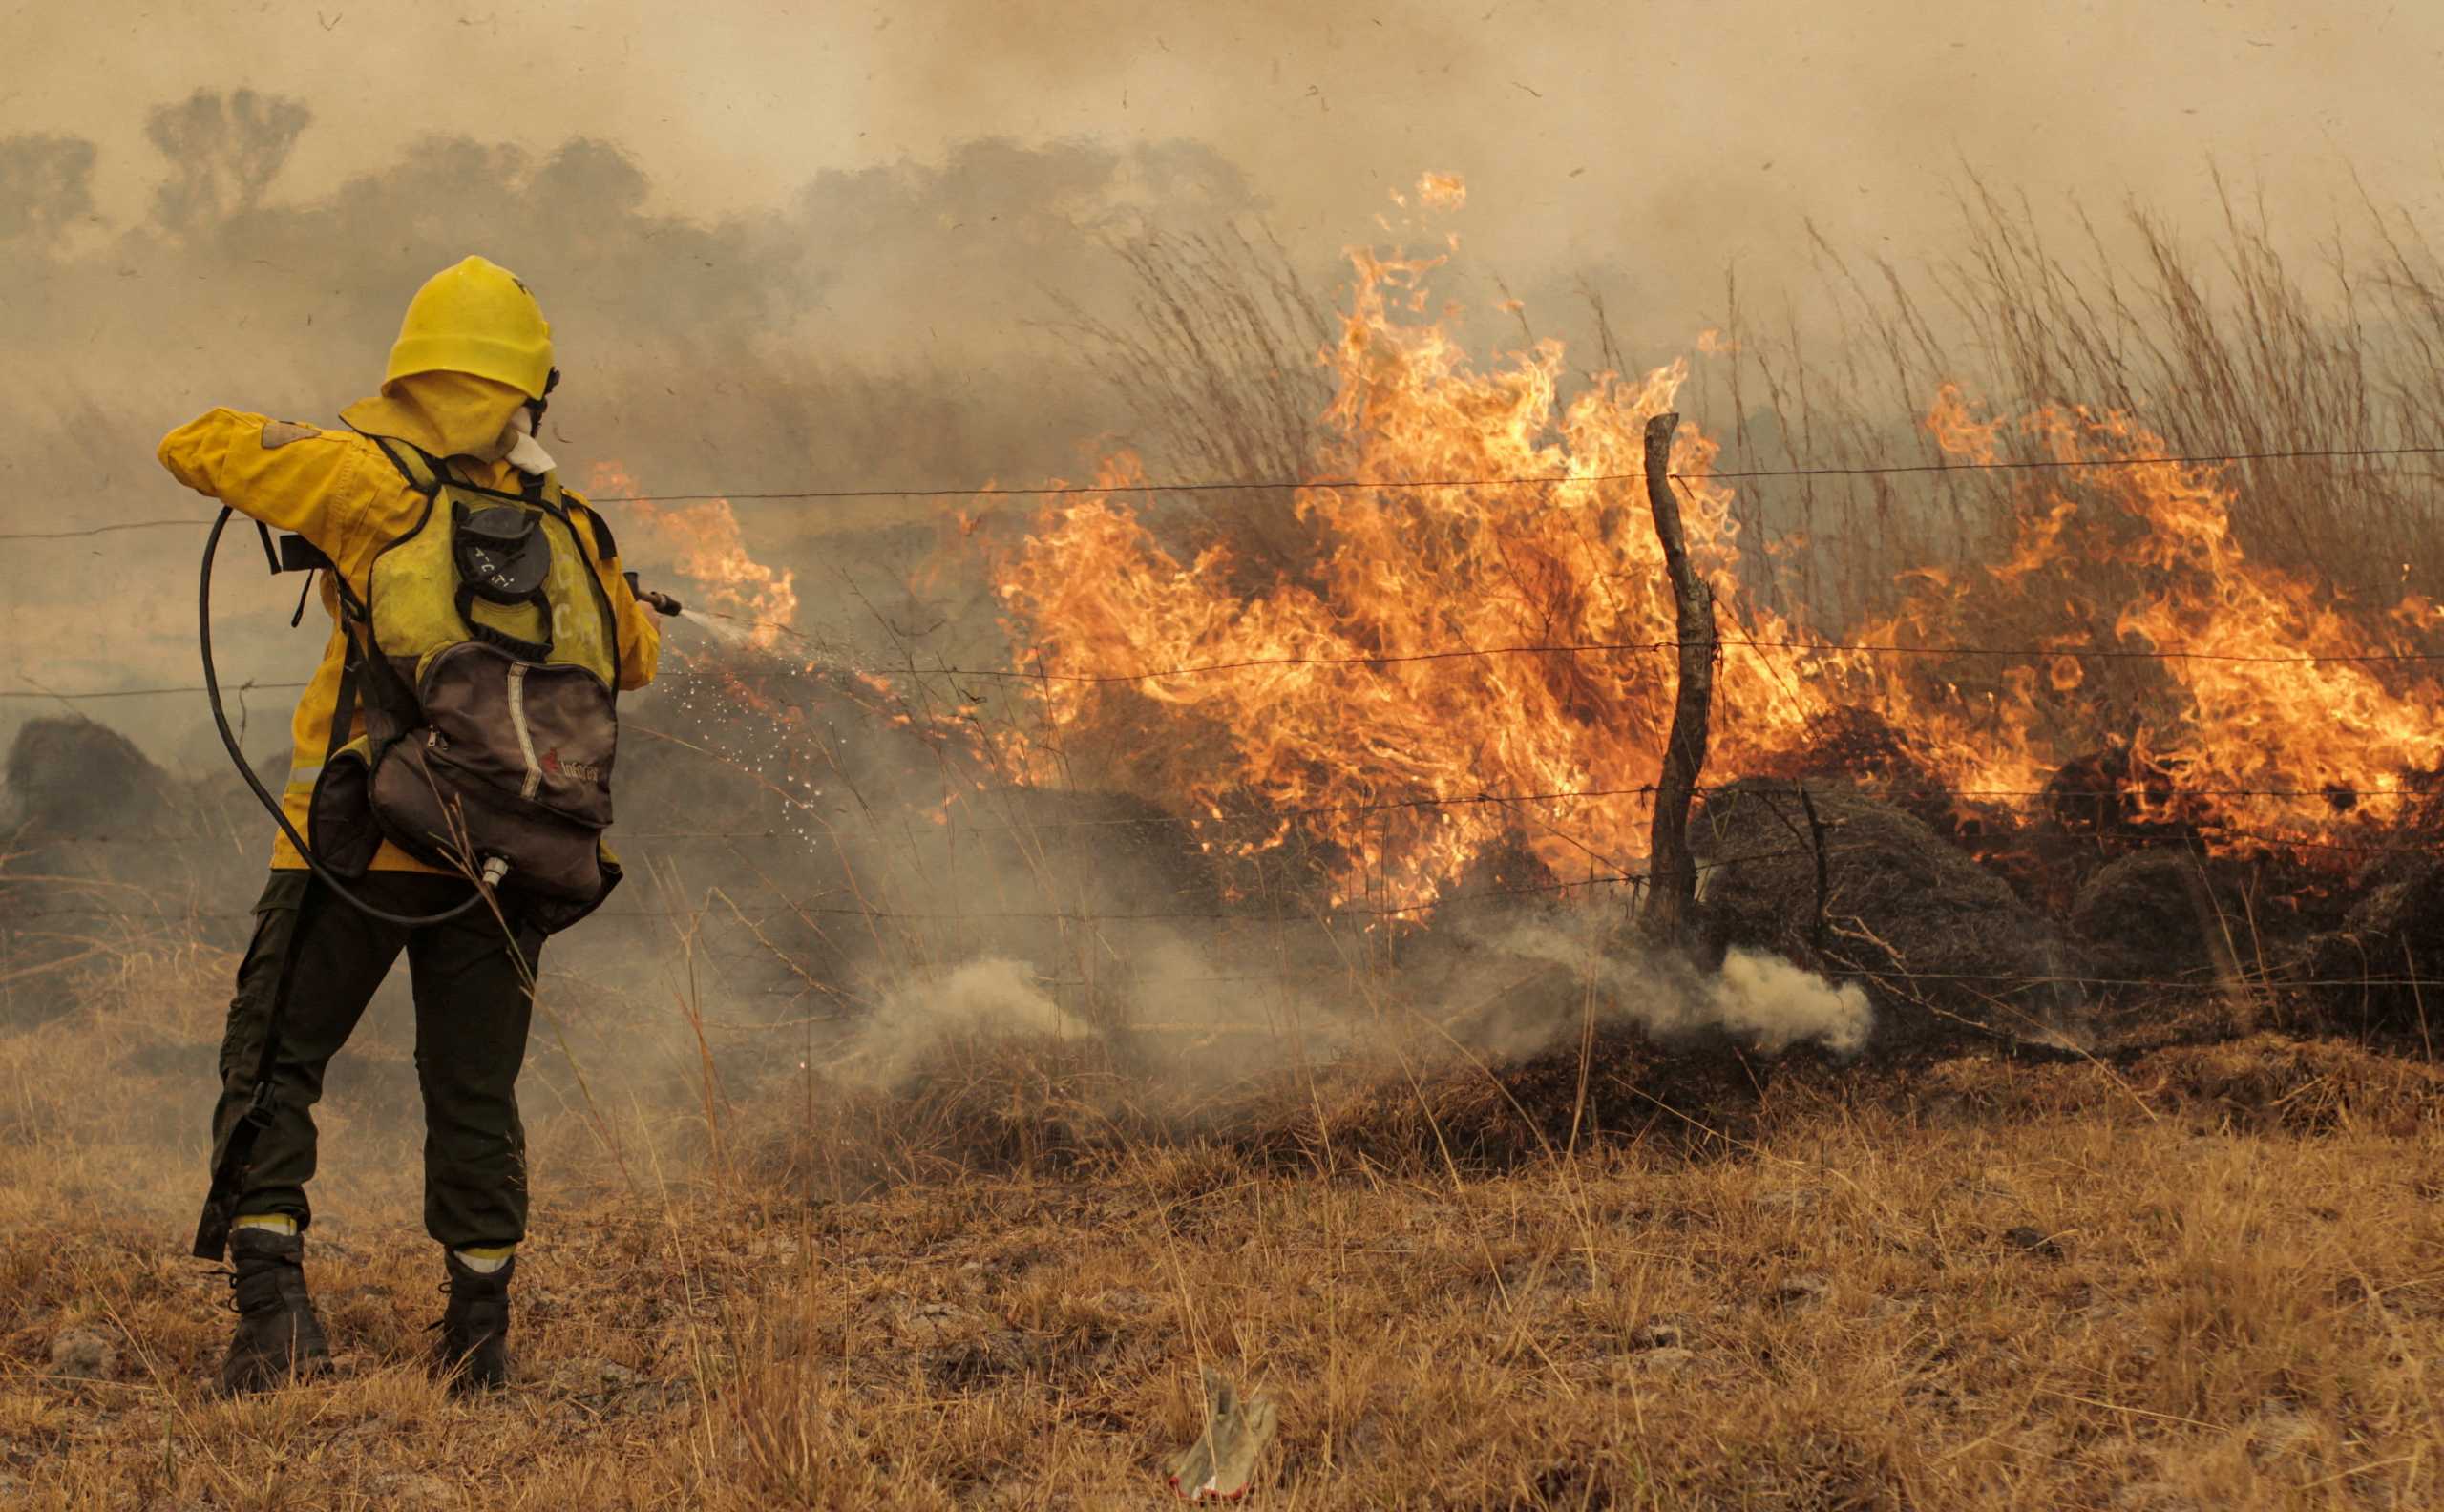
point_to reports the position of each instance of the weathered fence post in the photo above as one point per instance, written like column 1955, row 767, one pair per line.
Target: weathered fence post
column 1672, row 887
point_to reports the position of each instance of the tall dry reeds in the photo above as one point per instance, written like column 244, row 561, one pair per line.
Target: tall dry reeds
column 1220, row 369
column 2226, row 343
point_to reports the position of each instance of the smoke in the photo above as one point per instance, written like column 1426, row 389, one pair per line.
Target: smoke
column 980, row 1000
column 1763, row 1001
column 779, row 336
column 871, row 328
column 1774, row 1004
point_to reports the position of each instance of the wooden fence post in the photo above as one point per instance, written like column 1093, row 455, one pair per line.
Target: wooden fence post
column 1672, row 887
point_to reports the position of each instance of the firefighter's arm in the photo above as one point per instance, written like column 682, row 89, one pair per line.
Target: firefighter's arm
column 640, row 633
column 290, row 476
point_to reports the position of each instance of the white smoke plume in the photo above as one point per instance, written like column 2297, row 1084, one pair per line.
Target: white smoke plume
column 1527, row 986
column 1774, row 1004
column 993, row 998
column 1762, row 999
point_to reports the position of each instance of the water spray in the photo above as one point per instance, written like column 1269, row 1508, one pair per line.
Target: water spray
column 719, row 629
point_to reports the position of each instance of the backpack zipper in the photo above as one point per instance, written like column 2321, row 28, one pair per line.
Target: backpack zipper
column 525, row 737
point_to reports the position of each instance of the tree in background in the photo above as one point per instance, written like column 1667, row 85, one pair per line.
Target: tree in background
column 46, row 184
column 224, row 150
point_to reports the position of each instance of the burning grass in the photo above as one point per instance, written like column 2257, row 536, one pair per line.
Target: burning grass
column 1484, row 603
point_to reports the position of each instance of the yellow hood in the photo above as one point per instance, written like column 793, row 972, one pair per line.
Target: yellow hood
column 442, row 413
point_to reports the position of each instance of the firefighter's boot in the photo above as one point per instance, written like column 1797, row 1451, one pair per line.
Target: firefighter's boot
column 475, row 1327
column 278, row 1339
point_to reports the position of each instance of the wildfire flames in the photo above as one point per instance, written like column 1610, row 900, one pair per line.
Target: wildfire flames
column 1337, row 694
column 1463, row 666
column 702, row 540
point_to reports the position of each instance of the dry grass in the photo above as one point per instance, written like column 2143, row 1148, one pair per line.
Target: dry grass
column 2205, row 1277
column 2235, row 340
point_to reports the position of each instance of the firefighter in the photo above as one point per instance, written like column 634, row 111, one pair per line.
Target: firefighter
column 428, row 499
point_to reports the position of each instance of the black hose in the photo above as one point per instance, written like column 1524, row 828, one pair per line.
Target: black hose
column 271, row 805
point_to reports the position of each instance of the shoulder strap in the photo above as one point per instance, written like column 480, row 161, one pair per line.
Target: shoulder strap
column 412, row 464
column 606, row 546
column 367, row 679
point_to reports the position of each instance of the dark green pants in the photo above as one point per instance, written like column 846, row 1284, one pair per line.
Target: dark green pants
column 314, row 963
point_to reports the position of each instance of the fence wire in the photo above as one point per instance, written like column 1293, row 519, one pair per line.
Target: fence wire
column 1057, row 490
column 1045, row 674
column 1392, row 485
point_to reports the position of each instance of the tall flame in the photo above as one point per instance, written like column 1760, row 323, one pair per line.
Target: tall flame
column 1387, row 679
column 1476, row 650
column 2259, row 684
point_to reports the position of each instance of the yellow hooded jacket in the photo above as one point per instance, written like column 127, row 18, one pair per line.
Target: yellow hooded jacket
column 338, row 490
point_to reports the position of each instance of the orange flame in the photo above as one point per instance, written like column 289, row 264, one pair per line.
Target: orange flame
column 704, row 543
column 1442, row 191
column 2267, row 683
column 1350, row 688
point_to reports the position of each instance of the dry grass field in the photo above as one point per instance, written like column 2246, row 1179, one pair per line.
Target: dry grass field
column 2197, row 1276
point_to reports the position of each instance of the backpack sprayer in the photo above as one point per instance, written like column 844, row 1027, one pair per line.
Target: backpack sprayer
column 442, row 754
column 436, row 758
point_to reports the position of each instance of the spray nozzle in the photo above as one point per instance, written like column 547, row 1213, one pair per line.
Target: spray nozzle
column 661, row 601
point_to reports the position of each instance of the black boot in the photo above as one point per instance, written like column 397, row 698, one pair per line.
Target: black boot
column 278, row 1339
column 475, row 1327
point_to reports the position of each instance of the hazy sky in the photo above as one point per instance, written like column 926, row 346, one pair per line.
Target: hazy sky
column 1592, row 135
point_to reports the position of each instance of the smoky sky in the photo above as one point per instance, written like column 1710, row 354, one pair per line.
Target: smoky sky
column 1663, row 138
